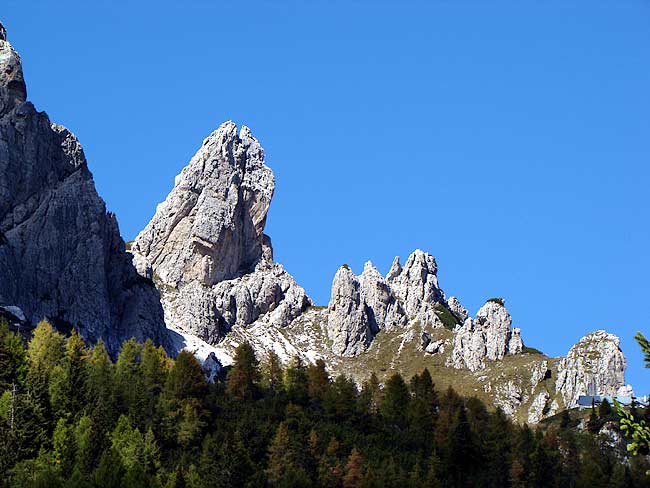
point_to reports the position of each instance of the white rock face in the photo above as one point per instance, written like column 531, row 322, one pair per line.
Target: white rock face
column 494, row 321
column 362, row 306
column 539, row 372
column 508, row 396
column 212, row 367
column 536, row 411
column 383, row 307
column 416, row 286
column 515, row 344
column 458, row 310
column 349, row 327
column 595, row 365
column 625, row 391
column 205, row 248
column 488, row 336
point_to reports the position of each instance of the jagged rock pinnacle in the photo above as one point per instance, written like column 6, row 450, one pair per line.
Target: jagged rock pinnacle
column 3, row 32
column 206, row 249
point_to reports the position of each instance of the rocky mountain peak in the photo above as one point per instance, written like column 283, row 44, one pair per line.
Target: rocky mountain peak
column 13, row 90
column 488, row 336
column 210, row 227
column 416, row 286
column 206, row 249
column 61, row 253
column 595, row 365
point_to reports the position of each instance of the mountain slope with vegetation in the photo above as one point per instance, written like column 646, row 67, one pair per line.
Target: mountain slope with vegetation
column 77, row 419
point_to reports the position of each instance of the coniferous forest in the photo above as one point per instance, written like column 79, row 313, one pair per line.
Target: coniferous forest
column 72, row 417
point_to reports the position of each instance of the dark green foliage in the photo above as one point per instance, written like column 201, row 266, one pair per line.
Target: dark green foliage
column 147, row 420
column 13, row 358
column 531, row 350
column 448, row 319
column 498, row 300
column 396, row 401
column 645, row 348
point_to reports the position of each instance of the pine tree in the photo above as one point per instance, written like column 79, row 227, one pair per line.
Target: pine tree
column 353, row 470
column 44, row 353
column 182, row 400
column 13, row 358
column 370, row 397
column 86, row 445
column 341, row 400
column 605, row 411
column 63, row 443
column 129, row 382
column 225, row 461
column 296, row 382
column 100, row 385
column 319, row 381
column 244, row 377
column 593, row 424
column 273, row 375
column 396, row 401
column 154, row 366
column 637, row 430
column 67, row 385
column 110, row 471
column 284, row 466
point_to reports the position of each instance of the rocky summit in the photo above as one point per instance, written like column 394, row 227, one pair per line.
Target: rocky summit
column 61, row 253
column 206, row 251
column 201, row 276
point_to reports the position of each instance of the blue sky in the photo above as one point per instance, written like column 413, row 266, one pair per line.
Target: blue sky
column 511, row 140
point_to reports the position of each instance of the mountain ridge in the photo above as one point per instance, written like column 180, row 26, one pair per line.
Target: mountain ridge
column 204, row 268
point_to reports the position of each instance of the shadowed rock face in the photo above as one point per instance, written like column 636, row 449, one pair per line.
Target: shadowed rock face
column 205, row 247
column 61, row 254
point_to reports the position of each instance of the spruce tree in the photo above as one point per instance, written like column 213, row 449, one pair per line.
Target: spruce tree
column 353, row 470
column 44, row 353
column 244, row 377
column 296, row 382
column 396, row 401
column 319, row 381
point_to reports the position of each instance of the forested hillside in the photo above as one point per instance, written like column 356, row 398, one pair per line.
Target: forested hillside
column 70, row 417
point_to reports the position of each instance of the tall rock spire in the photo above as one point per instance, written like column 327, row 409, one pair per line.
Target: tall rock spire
column 206, row 249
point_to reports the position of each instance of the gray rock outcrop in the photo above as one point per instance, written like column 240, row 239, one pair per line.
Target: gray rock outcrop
column 362, row 306
column 595, row 365
column 349, row 327
column 458, row 310
column 61, row 254
column 416, row 286
column 487, row 337
column 206, row 250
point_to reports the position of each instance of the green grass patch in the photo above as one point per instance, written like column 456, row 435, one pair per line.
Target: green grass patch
column 531, row 350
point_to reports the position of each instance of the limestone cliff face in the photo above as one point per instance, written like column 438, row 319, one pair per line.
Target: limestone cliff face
column 61, row 254
column 487, row 337
column 205, row 247
column 595, row 365
column 362, row 306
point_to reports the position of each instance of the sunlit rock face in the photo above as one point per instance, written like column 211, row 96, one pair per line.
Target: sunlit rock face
column 61, row 253
column 206, row 249
column 595, row 365
column 489, row 336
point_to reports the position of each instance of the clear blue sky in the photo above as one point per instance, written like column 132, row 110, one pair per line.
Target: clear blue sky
column 512, row 141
